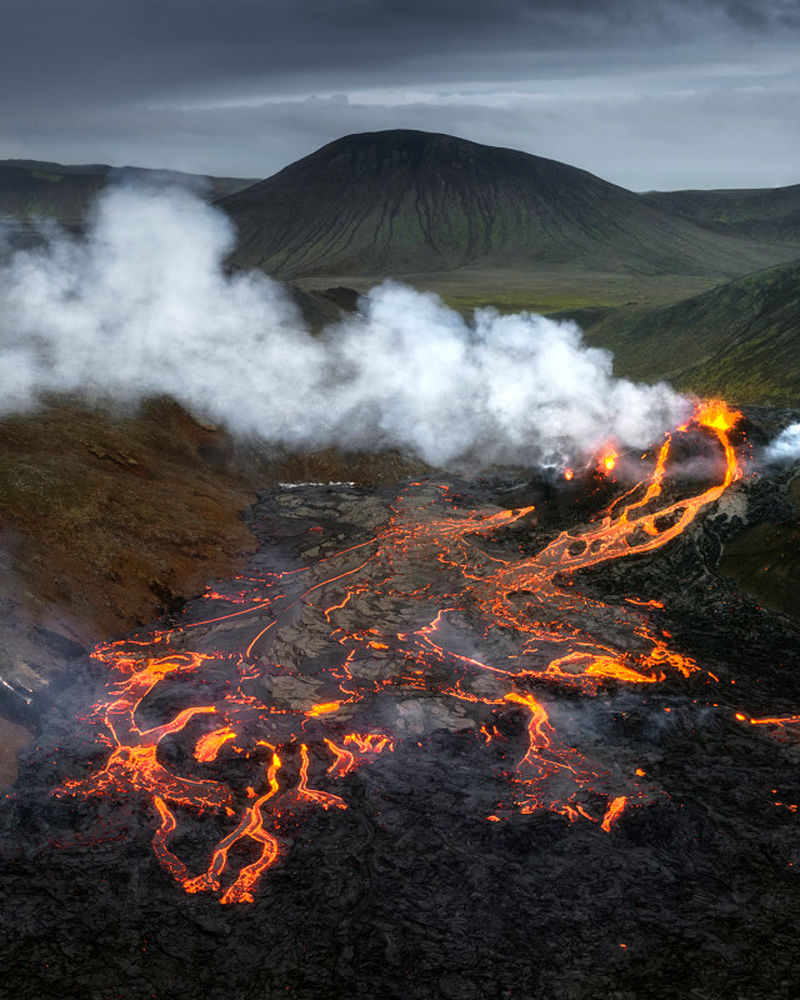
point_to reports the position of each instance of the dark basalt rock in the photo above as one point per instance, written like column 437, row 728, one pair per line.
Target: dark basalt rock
column 410, row 892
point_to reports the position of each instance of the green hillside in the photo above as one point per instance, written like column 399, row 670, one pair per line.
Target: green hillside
column 740, row 340
column 765, row 214
column 409, row 203
column 33, row 188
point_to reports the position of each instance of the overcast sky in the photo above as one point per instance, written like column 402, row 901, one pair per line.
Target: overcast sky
column 646, row 93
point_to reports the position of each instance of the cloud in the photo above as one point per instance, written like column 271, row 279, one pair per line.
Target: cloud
column 726, row 123
column 169, row 82
column 704, row 137
column 103, row 55
column 143, row 306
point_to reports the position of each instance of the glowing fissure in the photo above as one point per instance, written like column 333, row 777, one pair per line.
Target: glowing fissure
column 293, row 752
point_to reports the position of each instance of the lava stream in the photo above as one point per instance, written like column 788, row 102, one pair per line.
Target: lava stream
column 436, row 562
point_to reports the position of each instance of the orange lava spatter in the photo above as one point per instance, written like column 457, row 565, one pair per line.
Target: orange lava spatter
column 294, row 751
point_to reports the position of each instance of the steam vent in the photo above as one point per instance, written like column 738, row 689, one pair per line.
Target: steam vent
column 508, row 737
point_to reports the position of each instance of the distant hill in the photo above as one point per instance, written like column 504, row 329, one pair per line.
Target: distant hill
column 764, row 214
column 31, row 188
column 322, row 307
column 406, row 202
column 740, row 340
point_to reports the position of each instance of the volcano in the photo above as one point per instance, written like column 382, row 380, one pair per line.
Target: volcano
column 510, row 736
column 405, row 202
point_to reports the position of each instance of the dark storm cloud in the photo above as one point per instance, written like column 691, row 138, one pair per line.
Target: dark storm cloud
column 101, row 50
column 245, row 86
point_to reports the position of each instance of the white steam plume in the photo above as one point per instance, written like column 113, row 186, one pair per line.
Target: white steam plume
column 142, row 306
column 786, row 446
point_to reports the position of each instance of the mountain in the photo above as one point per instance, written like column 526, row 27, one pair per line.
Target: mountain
column 765, row 214
column 407, row 202
column 30, row 188
column 740, row 340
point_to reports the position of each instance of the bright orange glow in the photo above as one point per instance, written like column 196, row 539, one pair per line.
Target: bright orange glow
column 605, row 666
column 343, row 760
column 442, row 565
column 716, row 415
column 325, row 709
column 613, row 813
column 775, row 720
column 370, row 742
column 209, row 745
column 608, row 460
column 324, row 799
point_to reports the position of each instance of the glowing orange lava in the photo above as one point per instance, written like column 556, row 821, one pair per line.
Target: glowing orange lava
column 437, row 563
column 608, row 460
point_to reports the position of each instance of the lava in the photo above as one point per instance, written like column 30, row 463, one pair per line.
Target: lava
column 438, row 562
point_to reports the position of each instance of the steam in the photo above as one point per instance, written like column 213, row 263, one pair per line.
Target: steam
column 786, row 446
column 143, row 306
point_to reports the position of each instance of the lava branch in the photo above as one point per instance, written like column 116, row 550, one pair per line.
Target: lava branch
column 525, row 604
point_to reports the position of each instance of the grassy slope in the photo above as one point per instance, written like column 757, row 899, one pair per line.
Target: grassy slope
column 541, row 290
column 740, row 340
column 769, row 214
column 31, row 188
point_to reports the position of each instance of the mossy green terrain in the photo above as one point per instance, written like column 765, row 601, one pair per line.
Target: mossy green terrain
column 537, row 290
column 769, row 214
column 411, row 204
column 740, row 340
column 30, row 189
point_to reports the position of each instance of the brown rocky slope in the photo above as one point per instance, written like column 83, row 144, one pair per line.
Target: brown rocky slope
column 109, row 518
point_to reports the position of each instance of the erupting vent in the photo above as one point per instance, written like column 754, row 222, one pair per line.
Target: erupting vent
column 296, row 736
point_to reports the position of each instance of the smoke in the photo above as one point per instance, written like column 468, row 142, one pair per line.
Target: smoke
column 786, row 446
column 142, row 305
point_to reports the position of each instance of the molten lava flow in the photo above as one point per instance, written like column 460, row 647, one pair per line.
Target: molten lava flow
column 291, row 737
column 209, row 744
column 775, row 720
